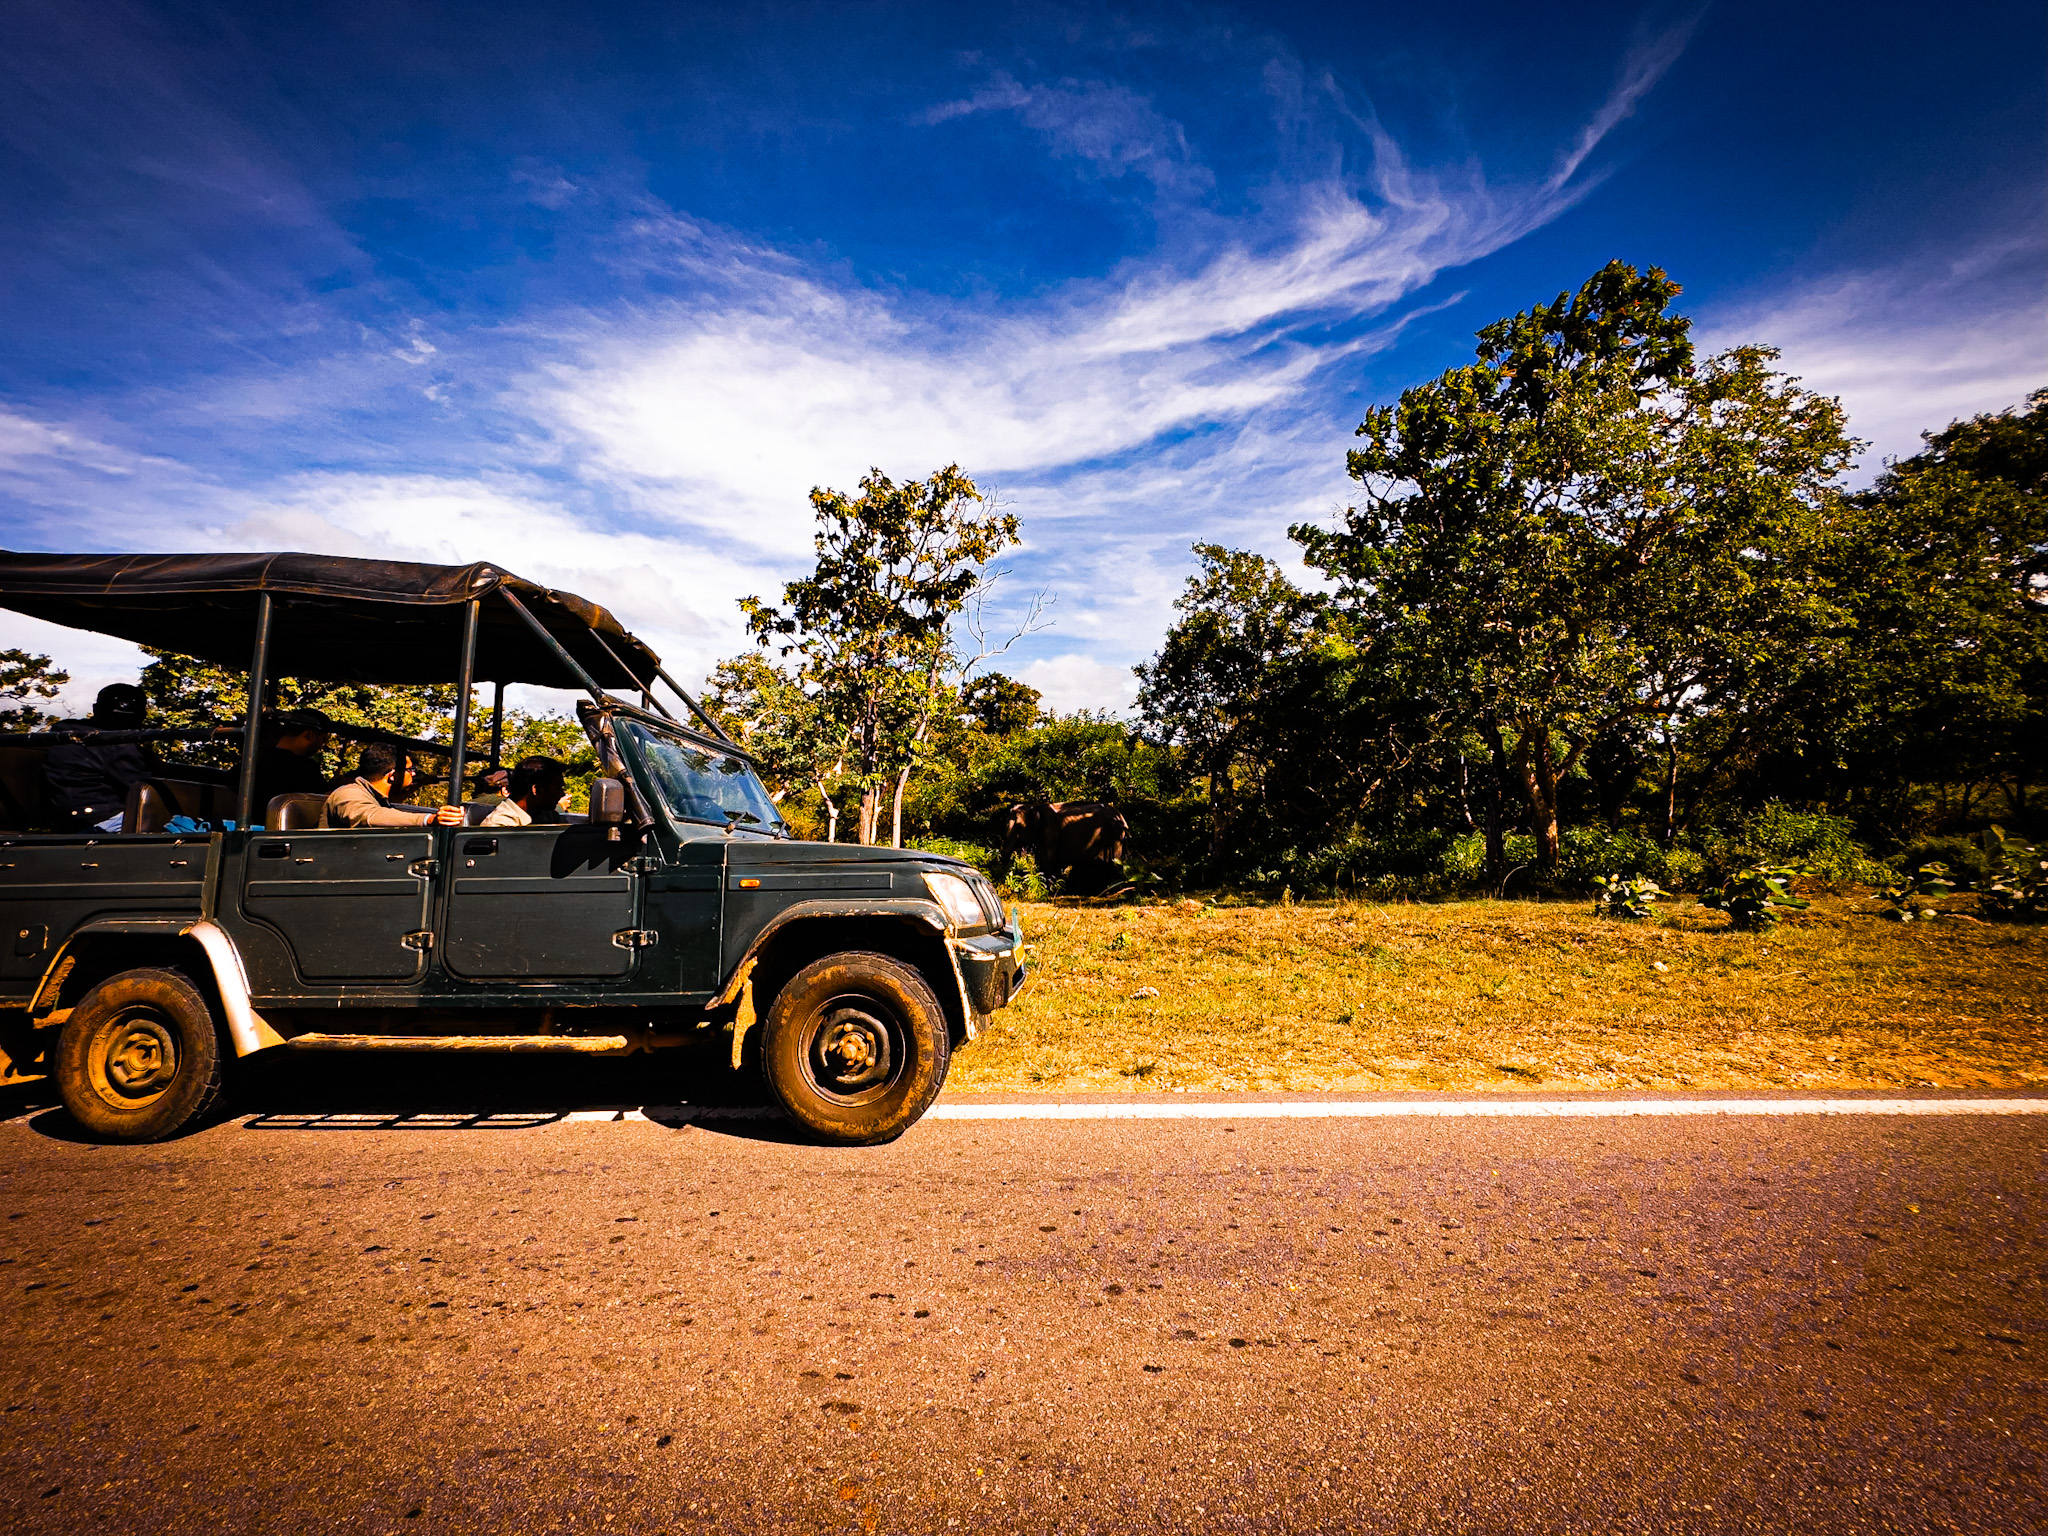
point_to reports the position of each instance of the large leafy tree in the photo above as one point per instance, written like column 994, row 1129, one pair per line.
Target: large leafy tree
column 1943, row 566
column 1586, row 527
column 187, row 693
column 25, row 679
column 869, row 634
column 1211, row 691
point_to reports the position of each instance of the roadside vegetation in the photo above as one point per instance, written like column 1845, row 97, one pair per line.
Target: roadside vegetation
column 1467, row 996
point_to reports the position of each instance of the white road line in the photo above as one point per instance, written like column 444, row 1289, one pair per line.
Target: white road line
column 1389, row 1110
column 1477, row 1108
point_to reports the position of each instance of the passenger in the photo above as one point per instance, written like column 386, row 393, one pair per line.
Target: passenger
column 89, row 781
column 365, row 801
column 291, row 764
column 535, row 795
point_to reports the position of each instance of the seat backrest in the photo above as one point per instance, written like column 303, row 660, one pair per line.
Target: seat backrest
column 22, row 789
column 474, row 811
column 153, row 802
column 148, row 808
column 295, row 813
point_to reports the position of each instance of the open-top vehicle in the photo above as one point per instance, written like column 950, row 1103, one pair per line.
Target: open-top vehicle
column 142, row 961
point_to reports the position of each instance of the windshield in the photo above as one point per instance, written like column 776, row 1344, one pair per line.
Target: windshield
column 700, row 784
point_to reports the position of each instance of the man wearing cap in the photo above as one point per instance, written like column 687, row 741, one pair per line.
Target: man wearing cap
column 89, row 780
column 290, row 765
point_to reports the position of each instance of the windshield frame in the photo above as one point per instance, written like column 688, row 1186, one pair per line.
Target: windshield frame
column 642, row 738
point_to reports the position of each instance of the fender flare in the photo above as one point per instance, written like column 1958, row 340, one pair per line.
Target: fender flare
column 926, row 914
column 247, row 1029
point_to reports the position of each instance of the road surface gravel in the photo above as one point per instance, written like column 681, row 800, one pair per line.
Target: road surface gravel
column 501, row 1319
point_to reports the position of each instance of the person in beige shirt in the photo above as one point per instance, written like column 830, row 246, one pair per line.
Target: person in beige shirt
column 538, row 784
column 365, row 800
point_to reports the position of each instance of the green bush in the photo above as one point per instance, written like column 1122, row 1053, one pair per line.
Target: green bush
column 1968, row 863
column 977, row 854
column 1824, row 847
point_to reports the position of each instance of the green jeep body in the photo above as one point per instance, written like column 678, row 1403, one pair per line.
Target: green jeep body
column 632, row 930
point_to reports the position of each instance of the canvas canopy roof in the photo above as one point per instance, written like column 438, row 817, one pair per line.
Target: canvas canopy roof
column 332, row 618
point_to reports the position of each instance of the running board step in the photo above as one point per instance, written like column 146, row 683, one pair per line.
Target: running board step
column 581, row 1045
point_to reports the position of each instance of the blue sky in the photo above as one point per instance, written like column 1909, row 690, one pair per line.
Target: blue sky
column 599, row 292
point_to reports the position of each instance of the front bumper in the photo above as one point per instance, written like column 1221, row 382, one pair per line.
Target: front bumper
column 991, row 967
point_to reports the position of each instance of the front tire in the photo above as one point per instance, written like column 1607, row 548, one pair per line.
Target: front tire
column 139, row 1058
column 856, row 1047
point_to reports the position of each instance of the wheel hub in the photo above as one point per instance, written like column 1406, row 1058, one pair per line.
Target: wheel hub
column 140, row 1058
column 852, row 1051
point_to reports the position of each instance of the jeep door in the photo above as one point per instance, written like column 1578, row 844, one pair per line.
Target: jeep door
column 352, row 903
column 540, row 903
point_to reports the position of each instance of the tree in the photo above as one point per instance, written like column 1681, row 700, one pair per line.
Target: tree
column 786, row 730
column 24, row 676
column 1943, row 567
column 187, row 693
column 1583, row 528
column 871, row 627
column 999, row 705
column 1209, row 689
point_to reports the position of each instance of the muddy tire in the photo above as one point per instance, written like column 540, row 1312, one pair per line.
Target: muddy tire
column 855, row 1047
column 140, row 1058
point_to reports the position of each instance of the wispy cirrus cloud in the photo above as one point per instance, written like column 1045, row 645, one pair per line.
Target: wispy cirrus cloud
column 1911, row 347
column 654, row 449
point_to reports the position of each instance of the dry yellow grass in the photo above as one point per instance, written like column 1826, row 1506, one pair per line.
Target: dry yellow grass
column 1501, row 995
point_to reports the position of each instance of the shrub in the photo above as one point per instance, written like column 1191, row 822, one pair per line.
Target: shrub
column 979, row 855
column 1752, row 897
column 1968, row 861
column 2017, row 885
column 1906, row 899
column 1624, row 897
column 1824, row 847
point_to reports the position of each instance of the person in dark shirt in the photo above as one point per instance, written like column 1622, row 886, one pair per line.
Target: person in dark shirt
column 88, row 781
column 291, row 764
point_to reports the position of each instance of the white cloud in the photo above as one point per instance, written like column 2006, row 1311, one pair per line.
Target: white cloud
column 1075, row 681
column 1907, row 350
column 657, row 457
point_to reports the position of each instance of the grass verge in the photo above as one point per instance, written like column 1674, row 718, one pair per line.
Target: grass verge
column 1476, row 995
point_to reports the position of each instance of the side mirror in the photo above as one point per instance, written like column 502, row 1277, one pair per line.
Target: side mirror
column 608, row 806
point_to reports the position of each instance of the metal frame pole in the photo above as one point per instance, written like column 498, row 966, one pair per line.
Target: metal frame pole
column 252, row 727
column 497, row 724
column 457, row 758
column 561, row 651
column 695, row 708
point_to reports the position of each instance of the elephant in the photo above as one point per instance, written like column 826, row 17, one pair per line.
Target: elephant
column 1080, row 843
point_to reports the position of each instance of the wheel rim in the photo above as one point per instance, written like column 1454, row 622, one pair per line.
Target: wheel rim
column 855, row 1049
column 134, row 1059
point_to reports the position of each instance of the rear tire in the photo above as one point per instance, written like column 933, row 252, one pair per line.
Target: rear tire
column 856, row 1047
column 139, row 1059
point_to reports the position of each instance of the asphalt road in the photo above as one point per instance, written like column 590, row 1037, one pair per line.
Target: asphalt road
column 512, row 1322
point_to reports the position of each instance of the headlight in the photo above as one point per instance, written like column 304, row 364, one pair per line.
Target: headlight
column 963, row 908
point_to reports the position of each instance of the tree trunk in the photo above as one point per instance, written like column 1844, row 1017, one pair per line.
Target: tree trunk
column 1537, row 770
column 896, row 816
column 831, row 815
column 1496, row 797
column 1670, row 787
column 870, row 806
column 1544, row 803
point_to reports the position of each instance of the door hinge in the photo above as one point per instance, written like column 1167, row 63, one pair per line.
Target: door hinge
column 641, row 864
column 636, row 938
column 422, row 940
column 426, row 869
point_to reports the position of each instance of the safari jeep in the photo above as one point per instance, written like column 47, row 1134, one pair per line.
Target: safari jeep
column 136, row 964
